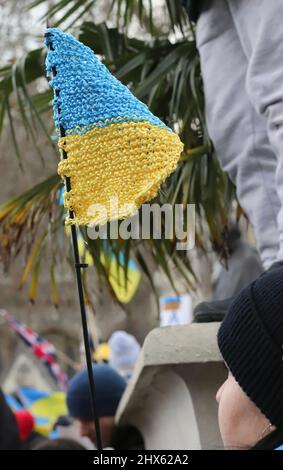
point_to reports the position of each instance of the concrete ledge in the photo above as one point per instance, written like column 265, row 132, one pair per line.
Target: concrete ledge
column 171, row 396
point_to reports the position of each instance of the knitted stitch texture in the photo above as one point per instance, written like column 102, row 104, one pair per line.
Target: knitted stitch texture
column 250, row 339
column 115, row 146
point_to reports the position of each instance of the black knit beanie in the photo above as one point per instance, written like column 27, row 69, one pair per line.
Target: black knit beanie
column 251, row 342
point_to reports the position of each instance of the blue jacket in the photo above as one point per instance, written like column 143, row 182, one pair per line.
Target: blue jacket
column 193, row 8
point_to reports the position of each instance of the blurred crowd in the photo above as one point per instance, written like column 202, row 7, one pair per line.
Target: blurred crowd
column 113, row 365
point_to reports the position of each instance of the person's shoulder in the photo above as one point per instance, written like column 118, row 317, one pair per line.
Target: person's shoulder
column 127, row 437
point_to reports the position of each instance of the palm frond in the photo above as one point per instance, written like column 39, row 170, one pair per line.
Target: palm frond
column 23, row 218
column 15, row 81
column 166, row 75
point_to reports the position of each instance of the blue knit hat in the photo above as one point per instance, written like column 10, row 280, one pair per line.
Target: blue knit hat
column 109, row 388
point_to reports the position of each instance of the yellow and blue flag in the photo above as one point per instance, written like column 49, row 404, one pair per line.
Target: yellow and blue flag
column 116, row 147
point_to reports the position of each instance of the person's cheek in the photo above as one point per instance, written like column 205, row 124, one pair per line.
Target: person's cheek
column 227, row 418
column 223, row 420
column 219, row 393
column 92, row 434
column 82, row 429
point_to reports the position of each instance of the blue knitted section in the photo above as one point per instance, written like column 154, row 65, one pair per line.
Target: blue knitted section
column 90, row 95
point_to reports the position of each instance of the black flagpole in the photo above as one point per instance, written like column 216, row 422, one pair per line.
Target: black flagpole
column 78, row 267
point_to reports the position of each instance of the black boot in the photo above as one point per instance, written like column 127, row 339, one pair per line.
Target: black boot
column 212, row 311
column 215, row 310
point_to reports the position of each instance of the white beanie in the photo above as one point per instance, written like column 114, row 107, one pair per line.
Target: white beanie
column 124, row 351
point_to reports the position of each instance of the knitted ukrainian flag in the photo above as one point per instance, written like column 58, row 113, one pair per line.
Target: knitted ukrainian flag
column 115, row 146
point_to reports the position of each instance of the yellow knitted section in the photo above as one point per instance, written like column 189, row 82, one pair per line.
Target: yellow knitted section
column 118, row 167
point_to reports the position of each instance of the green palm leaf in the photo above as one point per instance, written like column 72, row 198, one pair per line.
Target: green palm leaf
column 166, row 75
